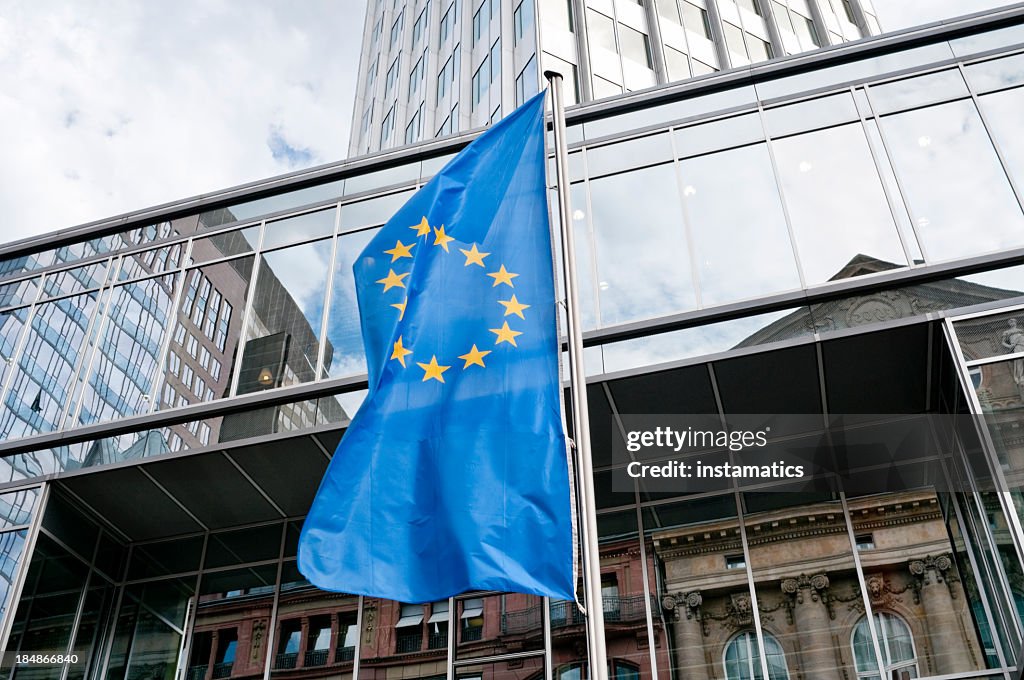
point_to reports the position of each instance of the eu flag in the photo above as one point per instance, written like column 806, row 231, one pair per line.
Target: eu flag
column 453, row 475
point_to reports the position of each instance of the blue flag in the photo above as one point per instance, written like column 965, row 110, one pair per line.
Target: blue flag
column 453, row 475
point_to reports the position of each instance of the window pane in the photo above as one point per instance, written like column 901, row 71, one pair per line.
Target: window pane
column 678, row 66
column 837, row 207
column 299, row 228
column 22, row 292
column 41, row 386
column 12, row 324
column 719, row 134
column 282, row 340
column 1003, row 112
column 372, row 211
column 815, row 113
column 210, row 312
column 128, row 353
column 92, row 275
column 601, row 30
column 11, row 545
column 903, row 94
column 996, row 74
column 642, row 263
column 345, row 355
column 610, row 158
column 765, row 264
column 635, row 46
column 951, row 177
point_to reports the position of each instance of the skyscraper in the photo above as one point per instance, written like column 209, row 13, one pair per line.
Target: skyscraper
column 430, row 68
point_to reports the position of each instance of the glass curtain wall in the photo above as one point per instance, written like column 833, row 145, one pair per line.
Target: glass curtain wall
column 733, row 581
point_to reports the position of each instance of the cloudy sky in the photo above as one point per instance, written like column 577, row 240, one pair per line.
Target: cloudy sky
column 117, row 105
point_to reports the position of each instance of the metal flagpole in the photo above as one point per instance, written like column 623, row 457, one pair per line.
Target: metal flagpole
column 578, row 386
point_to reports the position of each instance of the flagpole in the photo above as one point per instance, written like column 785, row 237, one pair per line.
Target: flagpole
column 578, row 389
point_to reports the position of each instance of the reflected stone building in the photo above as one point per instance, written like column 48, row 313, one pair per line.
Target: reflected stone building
column 837, row 234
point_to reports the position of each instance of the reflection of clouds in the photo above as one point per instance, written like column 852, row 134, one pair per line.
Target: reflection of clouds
column 1003, row 115
column 343, row 330
column 351, row 401
column 955, row 182
column 738, row 226
column 642, row 259
column 1010, row 278
column 347, row 361
column 686, row 343
column 303, row 272
column 836, row 204
column 989, row 75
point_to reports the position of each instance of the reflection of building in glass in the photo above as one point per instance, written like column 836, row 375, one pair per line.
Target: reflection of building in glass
column 801, row 237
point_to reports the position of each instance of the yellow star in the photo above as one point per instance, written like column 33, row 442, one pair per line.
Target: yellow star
column 393, row 280
column 473, row 256
column 442, row 239
column 422, row 229
column 433, row 370
column 506, row 334
column 400, row 352
column 514, row 306
column 400, row 250
column 400, row 306
column 503, row 276
column 474, row 356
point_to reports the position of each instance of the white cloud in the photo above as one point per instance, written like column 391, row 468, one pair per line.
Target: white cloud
column 116, row 106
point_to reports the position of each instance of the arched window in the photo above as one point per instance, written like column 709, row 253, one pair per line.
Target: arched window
column 742, row 660
column 900, row 659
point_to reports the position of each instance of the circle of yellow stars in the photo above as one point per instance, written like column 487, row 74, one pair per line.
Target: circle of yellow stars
column 433, row 370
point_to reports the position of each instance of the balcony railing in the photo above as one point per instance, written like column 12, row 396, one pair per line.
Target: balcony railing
column 616, row 610
column 437, row 640
column 222, row 670
column 196, row 672
column 286, row 661
column 623, row 609
column 565, row 614
column 316, row 657
column 408, row 643
column 345, row 654
column 472, row 634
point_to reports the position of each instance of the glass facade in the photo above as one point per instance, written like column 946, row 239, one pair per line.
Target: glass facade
column 843, row 239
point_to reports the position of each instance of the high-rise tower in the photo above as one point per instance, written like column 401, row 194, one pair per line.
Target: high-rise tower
column 430, row 68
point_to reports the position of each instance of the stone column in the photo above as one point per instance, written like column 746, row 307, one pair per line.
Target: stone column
column 684, row 609
column 812, row 616
column 934, row 583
